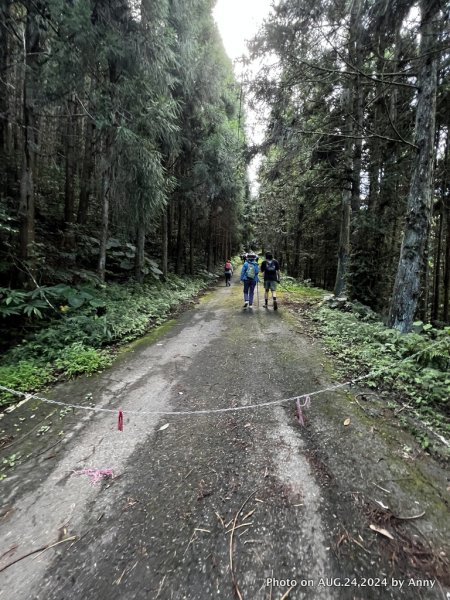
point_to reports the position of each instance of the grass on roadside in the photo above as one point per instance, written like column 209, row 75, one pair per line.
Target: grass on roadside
column 82, row 338
column 415, row 367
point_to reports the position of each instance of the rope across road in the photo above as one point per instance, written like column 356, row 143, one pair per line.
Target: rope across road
column 302, row 400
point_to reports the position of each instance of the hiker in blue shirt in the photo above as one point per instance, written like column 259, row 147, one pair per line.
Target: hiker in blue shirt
column 249, row 275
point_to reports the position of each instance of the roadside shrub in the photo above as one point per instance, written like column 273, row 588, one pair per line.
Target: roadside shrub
column 25, row 376
column 75, row 340
column 77, row 359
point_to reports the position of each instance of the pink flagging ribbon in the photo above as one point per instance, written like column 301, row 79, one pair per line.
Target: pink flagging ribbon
column 95, row 475
column 299, row 412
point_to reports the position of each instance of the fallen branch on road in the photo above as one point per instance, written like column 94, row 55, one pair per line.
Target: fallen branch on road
column 233, row 575
column 41, row 549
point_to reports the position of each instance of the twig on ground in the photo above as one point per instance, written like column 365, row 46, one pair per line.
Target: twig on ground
column 286, row 594
column 220, row 519
column 360, row 545
column 9, row 551
column 361, row 407
column 41, row 549
column 239, row 526
column 193, row 536
column 47, row 449
column 73, row 537
column 117, row 581
column 160, row 586
column 233, row 575
column 399, row 410
column 409, row 518
column 249, row 514
column 381, row 488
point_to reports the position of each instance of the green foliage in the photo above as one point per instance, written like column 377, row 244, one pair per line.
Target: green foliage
column 76, row 341
column 77, row 359
column 413, row 366
column 42, row 301
column 24, row 376
column 300, row 289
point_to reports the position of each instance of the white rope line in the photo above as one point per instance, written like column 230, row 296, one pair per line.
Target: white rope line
column 179, row 412
column 305, row 396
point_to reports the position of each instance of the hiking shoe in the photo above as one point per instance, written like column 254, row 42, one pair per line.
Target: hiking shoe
column 266, row 305
column 245, row 304
column 275, row 305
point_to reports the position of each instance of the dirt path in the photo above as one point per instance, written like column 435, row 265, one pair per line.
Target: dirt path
column 169, row 525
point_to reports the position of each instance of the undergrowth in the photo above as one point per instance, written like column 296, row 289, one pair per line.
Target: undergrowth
column 82, row 337
column 415, row 367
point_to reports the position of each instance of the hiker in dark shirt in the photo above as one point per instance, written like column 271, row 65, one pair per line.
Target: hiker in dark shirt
column 271, row 270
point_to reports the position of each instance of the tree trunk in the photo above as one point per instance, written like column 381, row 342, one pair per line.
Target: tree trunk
column 87, row 171
column 344, row 234
column 4, row 116
column 106, row 187
column 418, row 213
column 180, row 244
column 446, row 309
column 140, row 251
column 351, row 190
column 164, row 249
column 104, row 228
column 424, row 297
column 296, row 267
column 191, row 241
column 437, row 266
column 209, row 248
column 32, row 50
column 69, row 187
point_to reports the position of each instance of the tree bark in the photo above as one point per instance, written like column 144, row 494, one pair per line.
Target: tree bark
column 32, row 49
column 180, row 244
column 164, row 241
column 4, row 116
column 69, row 186
column 209, row 244
column 344, row 234
column 105, row 199
column 140, row 251
column 438, row 266
column 87, row 171
column 298, row 241
column 418, row 213
column 351, row 178
column 191, row 241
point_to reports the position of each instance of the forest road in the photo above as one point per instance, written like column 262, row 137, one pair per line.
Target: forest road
column 244, row 504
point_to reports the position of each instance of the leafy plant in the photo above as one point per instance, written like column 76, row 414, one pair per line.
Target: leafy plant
column 77, row 359
column 76, row 341
column 25, row 376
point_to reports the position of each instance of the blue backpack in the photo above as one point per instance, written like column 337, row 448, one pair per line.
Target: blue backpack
column 251, row 271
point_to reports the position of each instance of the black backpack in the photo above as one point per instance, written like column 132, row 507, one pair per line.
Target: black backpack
column 270, row 266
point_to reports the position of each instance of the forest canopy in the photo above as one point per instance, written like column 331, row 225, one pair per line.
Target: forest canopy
column 121, row 141
column 355, row 174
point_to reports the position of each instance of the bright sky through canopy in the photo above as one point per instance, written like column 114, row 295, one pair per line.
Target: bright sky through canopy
column 238, row 21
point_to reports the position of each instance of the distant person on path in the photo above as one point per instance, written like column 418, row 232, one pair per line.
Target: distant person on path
column 271, row 270
column 249, row 275
column 228, row 270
